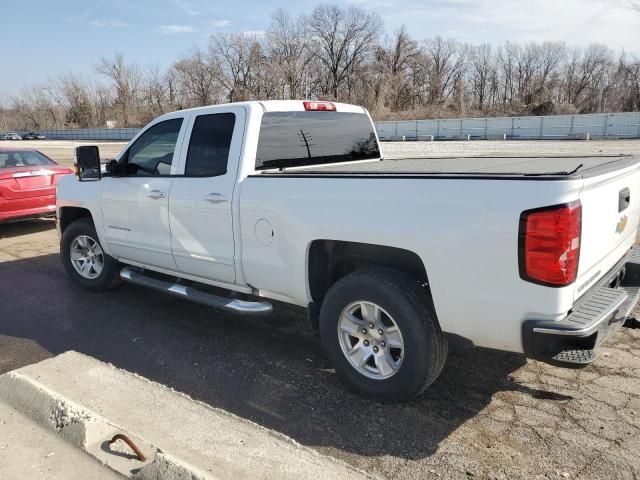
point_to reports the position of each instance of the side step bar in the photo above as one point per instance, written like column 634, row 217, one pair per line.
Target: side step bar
column 129, row 275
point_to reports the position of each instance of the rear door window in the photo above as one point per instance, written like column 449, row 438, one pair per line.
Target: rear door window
column 290, row 139
column 209, row 146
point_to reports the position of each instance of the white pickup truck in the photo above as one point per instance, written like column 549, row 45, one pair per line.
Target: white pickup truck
column 236, row 205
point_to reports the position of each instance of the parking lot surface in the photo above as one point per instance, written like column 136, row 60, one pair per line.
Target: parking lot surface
column 490, row 415
column 63, row 151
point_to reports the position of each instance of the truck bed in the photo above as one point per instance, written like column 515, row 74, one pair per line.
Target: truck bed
column 475, row 167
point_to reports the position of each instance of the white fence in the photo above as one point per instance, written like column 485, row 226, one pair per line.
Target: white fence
column 605, row 125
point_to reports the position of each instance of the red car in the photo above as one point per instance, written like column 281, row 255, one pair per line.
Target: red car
column 28, row 181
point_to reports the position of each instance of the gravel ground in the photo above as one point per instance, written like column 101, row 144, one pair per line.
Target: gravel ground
column 490, row 415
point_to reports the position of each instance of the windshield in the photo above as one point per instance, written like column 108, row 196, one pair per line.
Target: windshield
column 289, row 139
column 20, row 158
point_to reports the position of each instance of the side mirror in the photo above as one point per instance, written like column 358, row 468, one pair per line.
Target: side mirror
column 88, row 163
column 111, row 167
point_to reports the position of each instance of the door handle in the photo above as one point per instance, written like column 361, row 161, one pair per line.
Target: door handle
column 155, row 194
column 216, row 198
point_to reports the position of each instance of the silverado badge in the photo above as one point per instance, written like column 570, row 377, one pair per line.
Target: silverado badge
column 622, row 224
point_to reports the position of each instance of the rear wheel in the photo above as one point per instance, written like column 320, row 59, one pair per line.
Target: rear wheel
column 84, row 259
column 380, row 332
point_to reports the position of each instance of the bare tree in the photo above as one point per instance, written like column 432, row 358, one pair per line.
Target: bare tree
column 551, row 56
column 126, row 82
column 74, row 98
column 3, row 114
column 102, row 101
column 447, row 62
column 627, row 84
column 197, row 78
column 584, row 76
column 35, row 109
column 392, row 66
column 482, row 75
column 238, row 57
column 337, row 52
column 288, row 47
column 267, row 79
column 155, row 92
column 342, row 40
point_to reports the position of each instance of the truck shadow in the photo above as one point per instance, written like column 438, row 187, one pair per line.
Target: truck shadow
column 269, row 370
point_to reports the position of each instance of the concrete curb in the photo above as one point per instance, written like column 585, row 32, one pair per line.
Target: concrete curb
column 86, row 402
column 86, row 430
column 27, row 450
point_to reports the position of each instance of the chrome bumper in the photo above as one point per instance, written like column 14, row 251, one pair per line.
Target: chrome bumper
column 593, row 319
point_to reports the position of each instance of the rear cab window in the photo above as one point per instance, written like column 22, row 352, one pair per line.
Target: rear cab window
column 291, row 139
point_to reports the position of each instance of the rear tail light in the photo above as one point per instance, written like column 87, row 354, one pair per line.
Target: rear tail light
column 319, row 106
column 549, row 244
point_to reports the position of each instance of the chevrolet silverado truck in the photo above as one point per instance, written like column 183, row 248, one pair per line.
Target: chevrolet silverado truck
column 239, row 205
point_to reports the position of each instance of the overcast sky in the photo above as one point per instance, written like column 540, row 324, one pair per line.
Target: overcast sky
column 42, row 38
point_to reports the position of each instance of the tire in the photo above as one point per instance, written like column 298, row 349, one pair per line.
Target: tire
column 108, row 277
column 403, row 303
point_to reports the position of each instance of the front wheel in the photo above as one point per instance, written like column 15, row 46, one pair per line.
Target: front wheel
column 379, row 330
column 84, row 259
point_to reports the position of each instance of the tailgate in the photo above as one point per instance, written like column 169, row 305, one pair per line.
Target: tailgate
column 610, row 217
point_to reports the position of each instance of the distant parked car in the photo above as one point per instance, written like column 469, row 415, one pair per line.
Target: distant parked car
column 13, row 136
column 33, row 136
column 28, row 182
column 3, row 136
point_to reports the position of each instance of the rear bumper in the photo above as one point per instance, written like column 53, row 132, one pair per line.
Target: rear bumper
column 571, row 342
column 25, row 214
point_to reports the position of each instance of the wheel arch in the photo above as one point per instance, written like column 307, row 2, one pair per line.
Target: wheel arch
column 68, row 215
column 330, row 260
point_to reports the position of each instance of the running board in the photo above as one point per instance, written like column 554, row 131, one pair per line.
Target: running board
column 233, row 305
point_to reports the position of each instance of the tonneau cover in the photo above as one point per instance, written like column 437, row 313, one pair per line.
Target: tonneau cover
column 561, row 167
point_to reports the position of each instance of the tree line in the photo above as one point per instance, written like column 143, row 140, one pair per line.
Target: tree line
column 342, row 54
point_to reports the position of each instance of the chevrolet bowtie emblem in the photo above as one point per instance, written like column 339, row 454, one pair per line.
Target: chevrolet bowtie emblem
column 622, row 224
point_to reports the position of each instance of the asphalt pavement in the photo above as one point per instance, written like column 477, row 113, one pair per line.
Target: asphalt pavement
column 490, row 415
